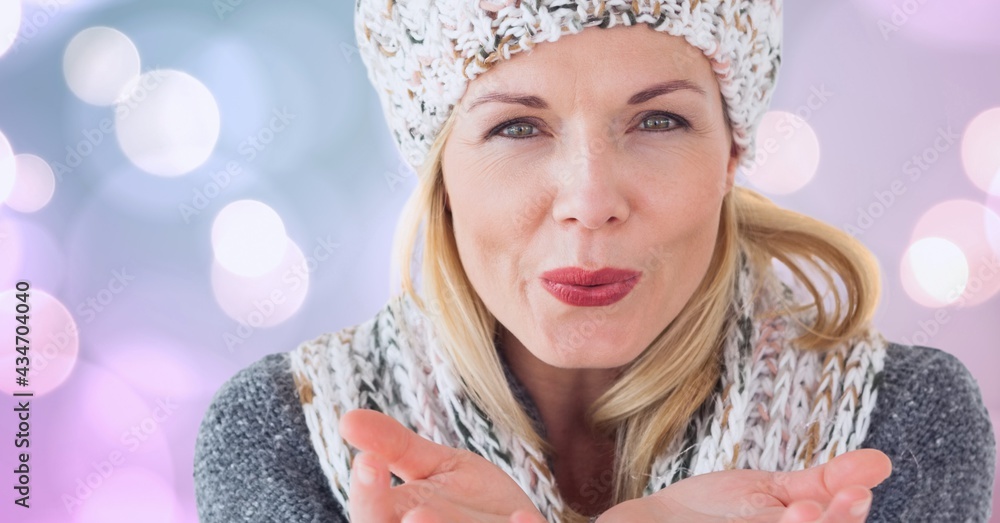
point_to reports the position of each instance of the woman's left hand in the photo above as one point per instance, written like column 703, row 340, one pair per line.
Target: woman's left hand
column 441, row 484
column 835, row 492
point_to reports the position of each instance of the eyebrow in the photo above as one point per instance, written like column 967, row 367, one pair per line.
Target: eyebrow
column 536, row 102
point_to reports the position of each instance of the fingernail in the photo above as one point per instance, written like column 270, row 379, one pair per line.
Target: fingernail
column 366, row 474
column 859, row 508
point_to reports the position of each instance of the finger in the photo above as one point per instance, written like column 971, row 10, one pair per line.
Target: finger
column 850, row 505
column 863, row 467
column 370, row 490
column 409, row 456
column 802, row 512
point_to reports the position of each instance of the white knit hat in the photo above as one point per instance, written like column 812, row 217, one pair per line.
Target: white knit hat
column 421, row 54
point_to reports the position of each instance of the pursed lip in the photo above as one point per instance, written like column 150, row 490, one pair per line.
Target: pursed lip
column 583, row 277
column 582, row 288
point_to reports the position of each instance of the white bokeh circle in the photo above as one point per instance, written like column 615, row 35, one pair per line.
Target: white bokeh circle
column 167, row 122
column 786, row 156
column 99, row 62
column 934, row 272
column 8, row 168
column 268, row 299
column 34, row 184
column 248, row 238
column 10, row 24
column 967, row 224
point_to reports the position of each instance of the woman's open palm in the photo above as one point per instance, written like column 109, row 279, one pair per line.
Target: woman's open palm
column 441, row 484
column 826, row 493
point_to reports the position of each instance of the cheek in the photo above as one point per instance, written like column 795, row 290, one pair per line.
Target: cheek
column 685, row 199
column 484, row 243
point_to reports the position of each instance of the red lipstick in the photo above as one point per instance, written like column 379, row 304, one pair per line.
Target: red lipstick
column 583, row 288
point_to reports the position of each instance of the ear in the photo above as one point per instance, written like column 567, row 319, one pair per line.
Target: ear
column 732, row 166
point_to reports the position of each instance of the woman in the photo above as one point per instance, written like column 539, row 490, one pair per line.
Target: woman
column 600, row 332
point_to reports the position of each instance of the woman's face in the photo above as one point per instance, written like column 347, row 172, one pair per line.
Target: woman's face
column 589, row 169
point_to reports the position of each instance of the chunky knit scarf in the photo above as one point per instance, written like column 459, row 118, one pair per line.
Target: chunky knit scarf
column 776, row 407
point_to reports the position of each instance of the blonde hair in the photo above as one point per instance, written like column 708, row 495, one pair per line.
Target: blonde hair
column 660, row 390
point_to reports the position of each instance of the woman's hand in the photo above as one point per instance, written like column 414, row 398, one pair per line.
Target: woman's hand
column 441, row 484
column 838, row 491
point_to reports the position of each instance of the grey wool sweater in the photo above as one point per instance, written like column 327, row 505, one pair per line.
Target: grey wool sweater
column 254, row 460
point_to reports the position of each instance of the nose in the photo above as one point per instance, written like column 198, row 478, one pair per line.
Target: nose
column 590, row 189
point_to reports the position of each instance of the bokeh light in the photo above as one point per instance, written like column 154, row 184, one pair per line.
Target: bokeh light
column 268, row 299
column 8, row 168
column 118, row 416
column 13, row 252
column 981, row 150
column 248, row 238
column 966, row 223
column 156, row 367
column 10, row 23
column 961, row 23
column 934, row 272
column 130, row 494
column 993, row 203
column 54, row 342
column 99, row 62
column 43, row 259
column 167, row 122
column 34, row 184
column 787, row 154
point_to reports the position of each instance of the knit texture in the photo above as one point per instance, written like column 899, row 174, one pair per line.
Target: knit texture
column 255, row 461
column 931, row 422
column 420, row 55
column 775, row 407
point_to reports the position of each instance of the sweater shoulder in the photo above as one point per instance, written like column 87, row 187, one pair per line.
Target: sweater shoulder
column 930, row 419
column 253, row 457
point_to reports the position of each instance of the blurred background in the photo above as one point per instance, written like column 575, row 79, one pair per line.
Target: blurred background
column 189, row 185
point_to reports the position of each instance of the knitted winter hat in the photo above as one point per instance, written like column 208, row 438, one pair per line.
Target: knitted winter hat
column 421, row 54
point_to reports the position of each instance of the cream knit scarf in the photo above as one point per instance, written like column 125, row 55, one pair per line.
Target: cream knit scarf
column 775, row 408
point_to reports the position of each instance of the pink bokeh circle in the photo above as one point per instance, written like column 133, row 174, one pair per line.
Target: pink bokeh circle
column 53, row 341
column 967, row 224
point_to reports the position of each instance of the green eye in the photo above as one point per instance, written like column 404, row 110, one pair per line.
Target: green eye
column 522, row 130
column 661, row 122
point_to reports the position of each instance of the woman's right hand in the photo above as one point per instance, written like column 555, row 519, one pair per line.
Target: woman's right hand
column 838, row 491
column 441, row 484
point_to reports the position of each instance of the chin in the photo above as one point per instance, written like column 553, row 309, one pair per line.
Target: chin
column 586, row 357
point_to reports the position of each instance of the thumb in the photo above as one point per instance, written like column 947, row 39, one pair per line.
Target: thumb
column 865, row 467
